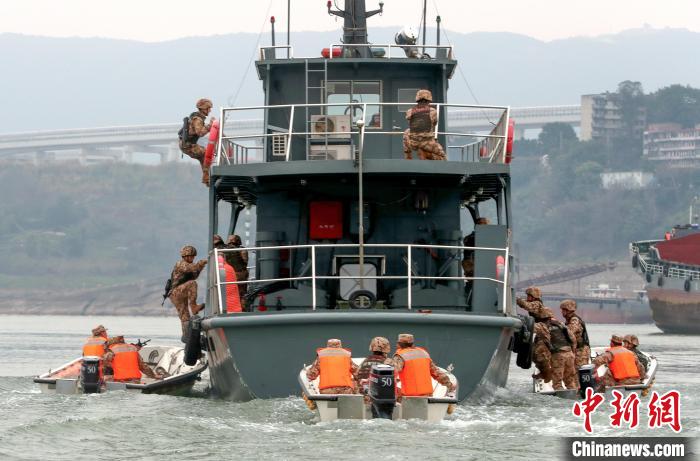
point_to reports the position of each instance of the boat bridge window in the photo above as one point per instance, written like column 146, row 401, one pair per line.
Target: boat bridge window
column 359, row 91
column 407, row 95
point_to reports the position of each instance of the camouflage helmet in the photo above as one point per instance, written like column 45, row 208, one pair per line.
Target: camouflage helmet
column 334, row 343
column 217, row 240
column 234, row 240
column 188, row 250
column 534, row 292
column 98, row 329
column 204, row 103
column 406, row 338
column 380, row 344
column 568, row 305
column 424, row 94
column 616, row 339
column 632, row 339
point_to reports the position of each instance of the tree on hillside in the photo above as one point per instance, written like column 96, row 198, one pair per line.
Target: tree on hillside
column 555, row 136
column 674, row 104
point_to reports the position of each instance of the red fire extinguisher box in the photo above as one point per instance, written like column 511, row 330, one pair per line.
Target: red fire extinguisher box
column 326, row 220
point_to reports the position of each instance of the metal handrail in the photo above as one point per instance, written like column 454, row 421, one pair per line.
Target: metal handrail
column 391, row 46
column 493, row 142
column 409, row 276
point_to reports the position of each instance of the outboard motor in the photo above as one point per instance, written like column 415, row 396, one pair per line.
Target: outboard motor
column 382, row 391
column 90, row 375
column 586, row 378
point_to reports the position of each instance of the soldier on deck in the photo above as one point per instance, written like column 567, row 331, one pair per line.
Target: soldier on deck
column 631, row 342
column 183, row 293
column 239, row 261
column 335, row 368
column 420, row 134
column 469, row 241
column 196, row 129
column 577, row 329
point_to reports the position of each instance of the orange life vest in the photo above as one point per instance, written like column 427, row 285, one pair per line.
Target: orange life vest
column 335, row 364
column 233, row 300
column 415, row 375
column 126, row 362
column 94, row 346
column 623, row 365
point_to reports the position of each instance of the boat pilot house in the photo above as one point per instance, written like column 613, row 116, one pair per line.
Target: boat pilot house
column 353, row 236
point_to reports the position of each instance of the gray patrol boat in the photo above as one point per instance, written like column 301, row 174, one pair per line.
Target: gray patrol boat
column 353, row 240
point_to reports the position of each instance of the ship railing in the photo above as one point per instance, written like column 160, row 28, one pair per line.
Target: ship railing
column 378, row 51
column 394, row 51
column 477, row 146
column 680, row 273
column 667, row 270
column 217, row 285
column 270, row 52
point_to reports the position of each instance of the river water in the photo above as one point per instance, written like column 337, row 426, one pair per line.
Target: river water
column 513, row 424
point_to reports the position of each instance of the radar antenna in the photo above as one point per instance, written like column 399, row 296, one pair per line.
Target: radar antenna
column 355, row 17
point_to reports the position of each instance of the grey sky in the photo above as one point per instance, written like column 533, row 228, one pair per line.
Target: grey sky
column 157, row 20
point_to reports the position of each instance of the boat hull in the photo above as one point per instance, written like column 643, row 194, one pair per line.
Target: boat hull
column 674, row 309
column 613, row 311
column 242, row 367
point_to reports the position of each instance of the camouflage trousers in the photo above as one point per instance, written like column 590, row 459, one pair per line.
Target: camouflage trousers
column 609, row 380
column 242, row 276
column 338, row 390
column 184, row 298
column 426, row 145
column 543, row 360
column 196, row 152
column 583, row 356
column 563, row 369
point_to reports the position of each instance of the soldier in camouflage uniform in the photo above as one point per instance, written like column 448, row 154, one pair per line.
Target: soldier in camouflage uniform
column 541, row 354
column 405, row 341
column 469, row 241
column 562, row 345
column 239, row 261
column 631, row 342
column 314, row 371
column 196, row 129
column 577, row 329
column 379, row 348
column 183, row 293
column 420, row 135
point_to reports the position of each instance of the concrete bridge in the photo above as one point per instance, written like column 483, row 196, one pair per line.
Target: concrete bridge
column 133, row 143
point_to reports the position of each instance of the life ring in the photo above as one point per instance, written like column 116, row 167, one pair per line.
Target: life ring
column 660, row 282
column 213, row 138
column 686, row 285
column 510, row 136
column 635, row 261
column 523, row 344
column 362, row 299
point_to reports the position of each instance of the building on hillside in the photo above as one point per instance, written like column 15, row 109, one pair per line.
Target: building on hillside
column 626, row 180
column 672, row 144
column 601, row 118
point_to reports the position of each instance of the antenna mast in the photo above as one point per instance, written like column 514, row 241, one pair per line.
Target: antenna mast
column 355, row 17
